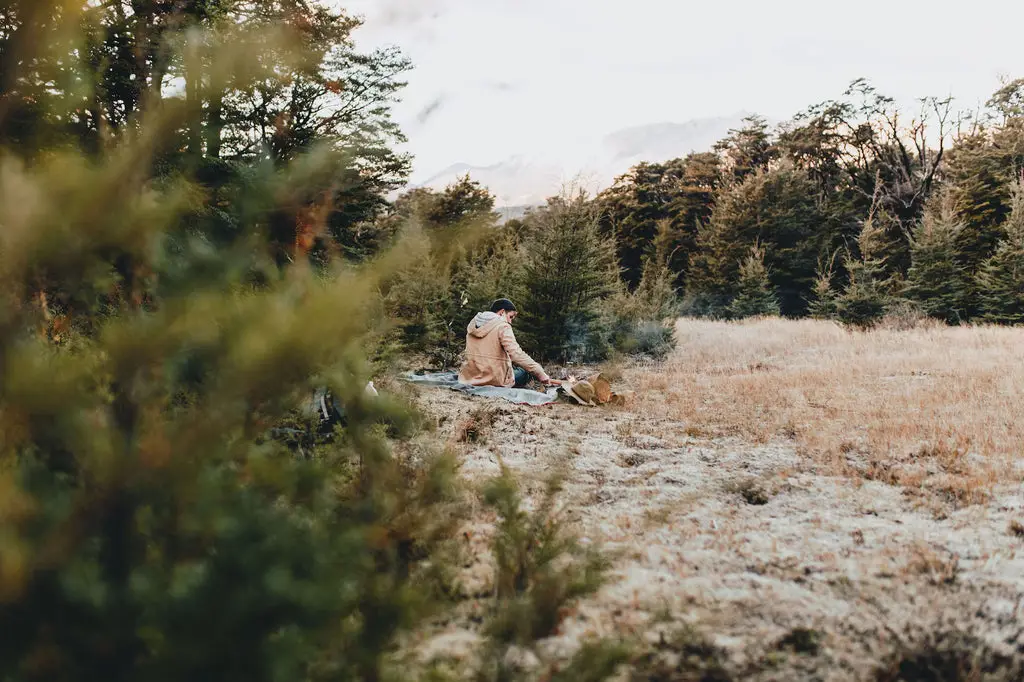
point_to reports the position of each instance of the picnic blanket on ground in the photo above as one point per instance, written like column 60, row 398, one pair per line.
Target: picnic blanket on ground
column 520, row 396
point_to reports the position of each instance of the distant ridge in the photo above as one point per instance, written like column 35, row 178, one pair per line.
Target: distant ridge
column 527, row 180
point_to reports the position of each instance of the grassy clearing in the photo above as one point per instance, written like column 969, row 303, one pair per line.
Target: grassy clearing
column 933, row 409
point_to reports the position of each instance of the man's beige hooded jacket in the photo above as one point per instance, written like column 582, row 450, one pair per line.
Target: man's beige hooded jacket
column 491, row 349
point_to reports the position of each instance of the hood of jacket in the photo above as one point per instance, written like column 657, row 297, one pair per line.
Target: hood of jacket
column 484, row 323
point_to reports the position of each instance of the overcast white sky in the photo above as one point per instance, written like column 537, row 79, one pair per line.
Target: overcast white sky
column 495, row 78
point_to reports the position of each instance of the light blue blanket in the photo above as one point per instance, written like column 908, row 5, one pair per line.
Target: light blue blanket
column 520, row 396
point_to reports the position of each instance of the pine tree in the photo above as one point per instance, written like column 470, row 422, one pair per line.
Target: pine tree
column 710, row 284
column 570, row 269
column 936, row 280
column 1000, row 280
column 778, row 208
column 643, row 321
column 823, row 305
column 663, row 202
column 755, row 294
column 867, row 294
column 462, row 263
column 656, row 293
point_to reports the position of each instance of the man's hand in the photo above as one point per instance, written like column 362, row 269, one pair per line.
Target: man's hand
column 548, row 381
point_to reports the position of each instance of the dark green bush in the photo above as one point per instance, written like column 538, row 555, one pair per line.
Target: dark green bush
column 642, row 322
column 152, row 527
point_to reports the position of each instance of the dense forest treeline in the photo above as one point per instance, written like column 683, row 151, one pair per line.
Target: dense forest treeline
column 93, row 73
column 853, row 210
column 854, row 206
column 85, row 75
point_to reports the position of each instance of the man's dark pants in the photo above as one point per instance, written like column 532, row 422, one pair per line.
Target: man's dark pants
column 522, row 377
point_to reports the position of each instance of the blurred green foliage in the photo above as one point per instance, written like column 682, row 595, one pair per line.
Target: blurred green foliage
column 174, row 323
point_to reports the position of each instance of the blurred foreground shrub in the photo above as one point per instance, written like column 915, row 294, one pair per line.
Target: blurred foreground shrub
column 149, row 527
column 171, row 506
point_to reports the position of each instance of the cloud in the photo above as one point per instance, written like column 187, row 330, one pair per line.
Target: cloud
column 410, row 12
column 426, row 112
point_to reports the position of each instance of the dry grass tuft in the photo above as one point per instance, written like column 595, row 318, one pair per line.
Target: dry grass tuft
column 1016, row 528
column 939, row 569
column 931, row 408
column 950, row 656
column 802, row 641
column 476, row 426
column 751, row 490
column 684, row 655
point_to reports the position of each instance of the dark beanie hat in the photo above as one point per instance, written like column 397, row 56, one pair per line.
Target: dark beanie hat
column 503, row 304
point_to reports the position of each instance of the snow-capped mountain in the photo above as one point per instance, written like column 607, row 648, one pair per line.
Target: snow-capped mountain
column 517, row 181
column 529, row 179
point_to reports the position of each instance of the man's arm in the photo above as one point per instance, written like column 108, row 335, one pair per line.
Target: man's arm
column 519, row 356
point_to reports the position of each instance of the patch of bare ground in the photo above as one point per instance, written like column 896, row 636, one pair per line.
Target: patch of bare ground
column 783, row 501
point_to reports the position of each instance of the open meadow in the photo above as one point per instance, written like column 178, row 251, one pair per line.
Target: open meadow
column 783, row 500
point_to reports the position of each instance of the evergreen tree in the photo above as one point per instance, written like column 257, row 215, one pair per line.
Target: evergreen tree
column 749, row 149
column 983, row 167
column 656, row 293
column 867, row 294
column 1000, row 281
column 779, row 209
column 462, row 264
column 88, row 74
column 663, row 202
column 823, row 305
column 936, row 279
column 418, row 298
column 755, row 295
column 570, row 269
column 463, row 203
column 156, row 526
column 643, row 321
column 865, row 298
column 710, row 285
column 978, row 178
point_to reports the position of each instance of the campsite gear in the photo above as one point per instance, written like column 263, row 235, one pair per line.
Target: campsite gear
column 602, row 388
column 329, row 411
column 596, row 390
column 582, row 392
column 622, row 399
column 318, row 418
column 519, row 396
column 578, row 392
column 491, row 348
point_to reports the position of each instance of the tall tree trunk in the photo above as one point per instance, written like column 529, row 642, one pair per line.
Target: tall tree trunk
column 215, row 126
column 23, row 44
column 193, row 96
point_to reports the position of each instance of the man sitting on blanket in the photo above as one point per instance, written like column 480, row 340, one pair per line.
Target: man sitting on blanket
column 493, row 356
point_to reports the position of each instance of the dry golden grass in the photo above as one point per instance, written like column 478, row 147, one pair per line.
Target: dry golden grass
column 935, row 409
